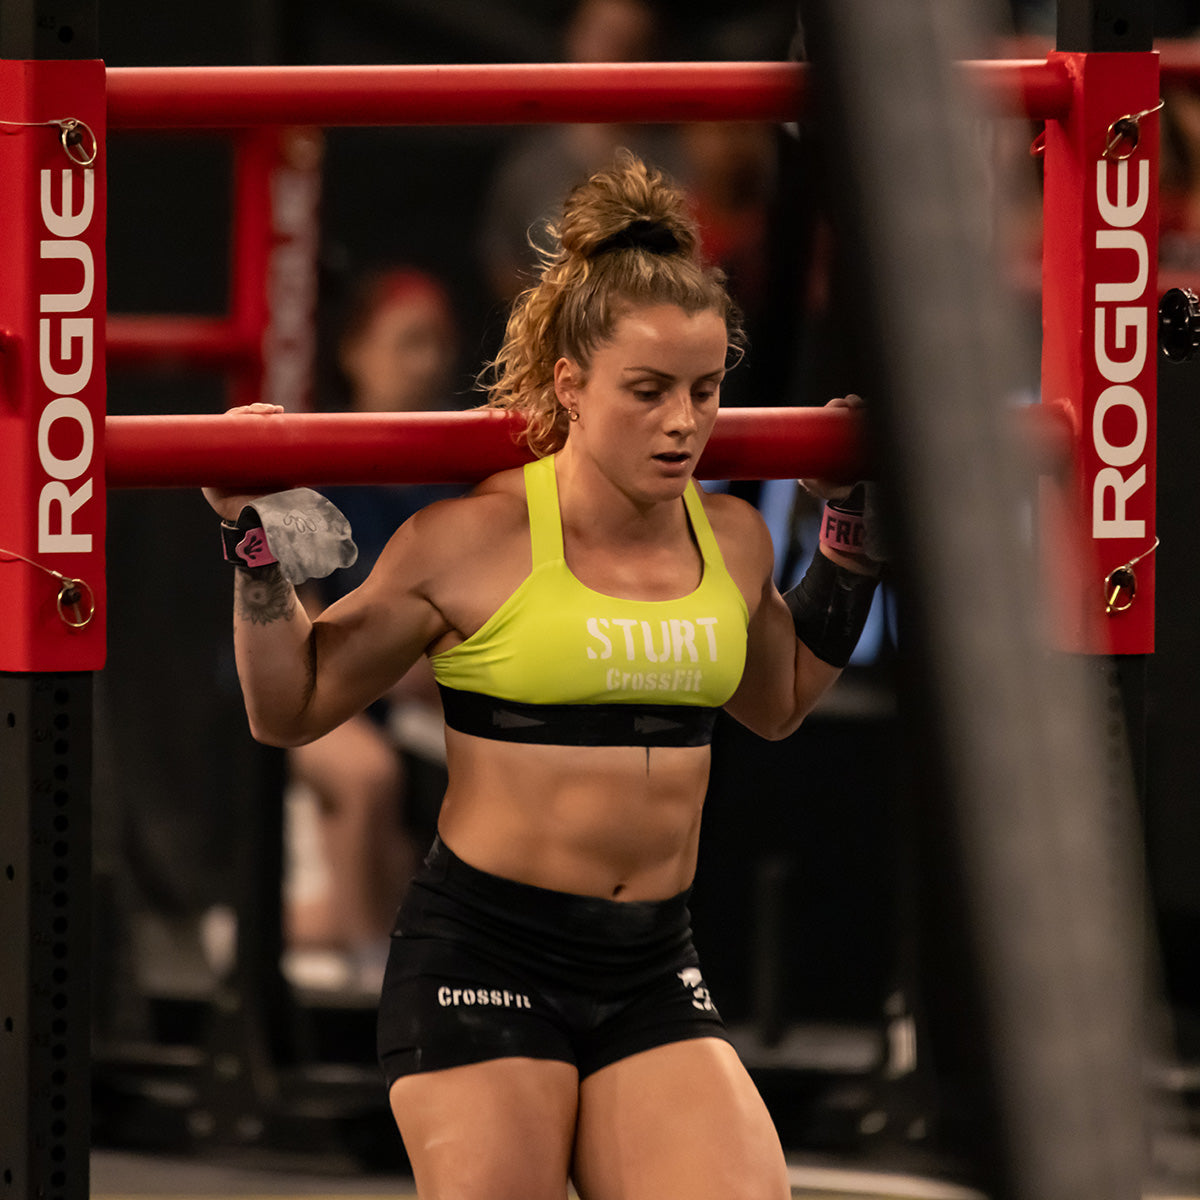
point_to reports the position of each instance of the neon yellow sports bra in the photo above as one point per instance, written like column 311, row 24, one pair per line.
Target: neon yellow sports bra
column 559, row 662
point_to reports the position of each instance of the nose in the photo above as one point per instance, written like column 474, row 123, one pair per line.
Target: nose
column 681, row 414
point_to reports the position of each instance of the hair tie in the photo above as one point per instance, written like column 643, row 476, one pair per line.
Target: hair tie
column 642, row 234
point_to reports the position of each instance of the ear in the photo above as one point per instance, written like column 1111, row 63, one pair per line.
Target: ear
column 568, row 379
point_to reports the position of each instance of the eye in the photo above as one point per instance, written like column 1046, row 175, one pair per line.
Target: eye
column 647, row 393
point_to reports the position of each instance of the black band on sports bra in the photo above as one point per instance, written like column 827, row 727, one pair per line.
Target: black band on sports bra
column 578, row 724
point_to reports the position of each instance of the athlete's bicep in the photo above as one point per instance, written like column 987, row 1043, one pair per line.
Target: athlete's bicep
column 367, row 640
column 765, row 699
column 782, row 680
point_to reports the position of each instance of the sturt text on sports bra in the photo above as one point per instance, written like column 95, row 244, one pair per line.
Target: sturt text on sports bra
column 560, row 663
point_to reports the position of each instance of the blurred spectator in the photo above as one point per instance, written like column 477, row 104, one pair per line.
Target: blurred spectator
column 729, row 173
column 396, row 353
column 1179, row 183
column 543, row 165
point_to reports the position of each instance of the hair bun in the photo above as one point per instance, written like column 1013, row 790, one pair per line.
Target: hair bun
column 627, row 206
column 643, row 234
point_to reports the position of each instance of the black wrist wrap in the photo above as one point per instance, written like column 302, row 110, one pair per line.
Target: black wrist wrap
column 829, row 608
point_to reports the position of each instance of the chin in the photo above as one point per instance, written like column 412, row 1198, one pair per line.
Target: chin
column 664, row 489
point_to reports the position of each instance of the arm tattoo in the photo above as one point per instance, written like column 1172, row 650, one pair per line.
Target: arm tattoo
column 262, row 595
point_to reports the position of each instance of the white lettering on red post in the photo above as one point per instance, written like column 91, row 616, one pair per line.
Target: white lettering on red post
column 1119, row 419
column 289, row 347
column 66, row 346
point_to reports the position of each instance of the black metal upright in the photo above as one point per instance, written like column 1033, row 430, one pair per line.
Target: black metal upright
column 1105, row 25
column 1038, row 842
column 45, row 967
column 49, row 29
column 45, row 837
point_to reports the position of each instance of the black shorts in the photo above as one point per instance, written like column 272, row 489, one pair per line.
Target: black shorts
column 483, row 967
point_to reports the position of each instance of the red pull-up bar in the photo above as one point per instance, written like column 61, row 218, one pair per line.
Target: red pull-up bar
column 524, row 93
column 286, row 449
column 193, row 340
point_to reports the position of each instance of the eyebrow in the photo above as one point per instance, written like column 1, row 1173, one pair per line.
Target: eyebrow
column 719, row 371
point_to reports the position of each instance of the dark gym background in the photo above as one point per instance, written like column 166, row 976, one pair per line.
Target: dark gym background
column 804, row 906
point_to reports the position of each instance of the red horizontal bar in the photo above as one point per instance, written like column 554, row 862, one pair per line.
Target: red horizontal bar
column 1179, row 63
column 135, row 340
column 514, row 94
column 1033, row 86
column 524, row 93
column 290, row 449
column 315, row 449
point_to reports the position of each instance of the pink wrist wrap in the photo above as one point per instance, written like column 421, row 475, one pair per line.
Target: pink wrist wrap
column 843, row 531
column 246, row 547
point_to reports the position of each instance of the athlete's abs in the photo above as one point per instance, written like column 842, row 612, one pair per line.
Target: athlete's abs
column 613, row 821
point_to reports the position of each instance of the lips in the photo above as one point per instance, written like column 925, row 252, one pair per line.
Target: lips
column 673, row 458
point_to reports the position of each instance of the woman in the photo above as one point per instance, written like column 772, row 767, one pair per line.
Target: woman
column 544, row 1015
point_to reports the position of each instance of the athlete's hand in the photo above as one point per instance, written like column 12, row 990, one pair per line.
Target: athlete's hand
column 827, row 489
column 228, row 503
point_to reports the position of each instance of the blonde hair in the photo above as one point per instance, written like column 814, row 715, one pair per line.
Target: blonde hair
column 625, row 239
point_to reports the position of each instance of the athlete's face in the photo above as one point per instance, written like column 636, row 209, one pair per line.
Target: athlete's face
column 649, row 397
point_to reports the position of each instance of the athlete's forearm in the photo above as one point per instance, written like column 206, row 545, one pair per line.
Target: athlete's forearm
column 273, row 644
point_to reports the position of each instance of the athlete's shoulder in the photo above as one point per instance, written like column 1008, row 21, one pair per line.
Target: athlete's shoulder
column 510, row 483
column 741, row 533
column 483, row 516
column 473, row 526
column 732, row 516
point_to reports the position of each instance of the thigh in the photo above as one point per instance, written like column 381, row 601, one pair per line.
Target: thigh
column 499, row 1130
column 679, row 1122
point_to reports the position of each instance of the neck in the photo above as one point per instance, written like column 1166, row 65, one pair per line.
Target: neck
column 593, row 505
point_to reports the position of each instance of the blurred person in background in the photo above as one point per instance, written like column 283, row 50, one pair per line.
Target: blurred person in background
column 543, row 164
column 396, row 352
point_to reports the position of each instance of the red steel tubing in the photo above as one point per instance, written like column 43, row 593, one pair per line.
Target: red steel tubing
column 289, row 449
column 525, row 93
column 135, row 340
column 1179, row 63
column 513, row 94
column 1037, row 87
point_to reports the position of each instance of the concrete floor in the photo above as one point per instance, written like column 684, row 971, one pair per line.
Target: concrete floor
column 118, row 1175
